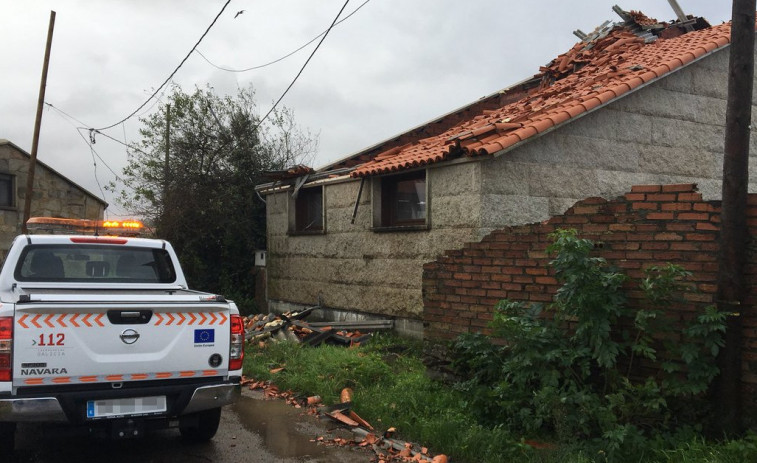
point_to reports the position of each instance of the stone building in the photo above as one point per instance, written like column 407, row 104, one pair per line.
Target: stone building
column 637, row 102
column 54, row 194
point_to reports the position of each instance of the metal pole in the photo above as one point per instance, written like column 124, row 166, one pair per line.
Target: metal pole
column 37, row 124
column 734, row 233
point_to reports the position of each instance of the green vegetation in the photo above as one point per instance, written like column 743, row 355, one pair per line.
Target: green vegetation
column 567, row 383
column 201, row 196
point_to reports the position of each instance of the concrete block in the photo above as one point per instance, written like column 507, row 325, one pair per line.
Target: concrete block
column 502, row 210
column 677, row 161
column 550, row 181
column 687, row 134
column 505, row 175
column 458, row 179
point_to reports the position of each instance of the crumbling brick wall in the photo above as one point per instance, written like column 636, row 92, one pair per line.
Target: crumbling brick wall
column 651, row 225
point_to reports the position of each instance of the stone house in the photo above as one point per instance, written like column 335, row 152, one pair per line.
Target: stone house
column 637, row 102
column 54, row 194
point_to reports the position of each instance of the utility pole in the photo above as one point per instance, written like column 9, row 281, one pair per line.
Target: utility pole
column 37, row 124
column 166, row 169
column 734, row 234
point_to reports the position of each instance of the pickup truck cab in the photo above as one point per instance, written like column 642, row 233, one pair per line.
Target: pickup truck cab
column 102, row 331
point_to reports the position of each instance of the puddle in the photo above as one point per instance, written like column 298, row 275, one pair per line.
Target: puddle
column 280, row 427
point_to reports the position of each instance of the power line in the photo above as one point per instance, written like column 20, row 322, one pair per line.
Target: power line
column 325, row 34
column 78, row 130
column 285, row 56
column 174, row 71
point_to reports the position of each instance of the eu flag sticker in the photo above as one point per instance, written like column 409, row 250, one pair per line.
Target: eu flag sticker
column 205, row 336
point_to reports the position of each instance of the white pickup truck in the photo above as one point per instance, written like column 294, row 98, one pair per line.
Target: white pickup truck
column 102, row 331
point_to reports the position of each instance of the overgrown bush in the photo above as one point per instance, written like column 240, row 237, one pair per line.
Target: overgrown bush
column 569, row 369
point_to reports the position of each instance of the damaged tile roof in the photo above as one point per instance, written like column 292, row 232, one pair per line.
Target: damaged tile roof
column 612, row 61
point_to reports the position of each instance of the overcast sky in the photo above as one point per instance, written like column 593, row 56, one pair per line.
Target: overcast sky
column 391, row 66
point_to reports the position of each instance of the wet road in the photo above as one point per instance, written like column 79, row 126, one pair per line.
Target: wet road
column 252, row 430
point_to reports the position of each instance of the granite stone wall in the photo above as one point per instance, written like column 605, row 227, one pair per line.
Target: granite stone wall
column 670, row 131
column 54, row 196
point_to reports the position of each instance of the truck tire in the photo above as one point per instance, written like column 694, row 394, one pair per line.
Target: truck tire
column 200, row 426
column 7, row 437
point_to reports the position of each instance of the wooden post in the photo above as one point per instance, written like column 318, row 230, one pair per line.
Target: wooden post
column 166, row 172
column 37, row 124
column 734, row 233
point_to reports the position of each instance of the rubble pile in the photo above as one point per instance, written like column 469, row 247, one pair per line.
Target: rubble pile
column 290, row 326
column 384, row 446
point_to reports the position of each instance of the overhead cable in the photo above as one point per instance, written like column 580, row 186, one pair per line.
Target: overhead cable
column 325, row 34
column 283, row 57
column 173, row 73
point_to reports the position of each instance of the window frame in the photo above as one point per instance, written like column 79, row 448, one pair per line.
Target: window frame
column 11, row 191
column 385, row 202
column 299, row 211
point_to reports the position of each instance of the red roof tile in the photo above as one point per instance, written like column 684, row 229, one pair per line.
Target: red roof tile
column 609, row 65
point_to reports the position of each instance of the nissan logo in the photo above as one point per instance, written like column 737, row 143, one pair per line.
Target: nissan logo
column 129, row 336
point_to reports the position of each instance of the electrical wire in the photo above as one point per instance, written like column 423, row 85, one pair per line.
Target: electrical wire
column 325, row 34
column 174, row 71
column 285, row 56
column 78, row 130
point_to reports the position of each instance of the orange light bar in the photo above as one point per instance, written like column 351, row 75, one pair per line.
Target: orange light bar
column 84, row 226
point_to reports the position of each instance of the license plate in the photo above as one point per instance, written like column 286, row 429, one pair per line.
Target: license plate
column 126, row 407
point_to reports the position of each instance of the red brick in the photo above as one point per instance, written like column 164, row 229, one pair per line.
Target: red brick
column 707, row 226
column 646, row 188
column 696, row 197
column 635, row 196
column 638, row 206
column 668, row 237
column 660, row 216
column 677, row 206
column 661, row 197
column 693, row 216
column 679, row 187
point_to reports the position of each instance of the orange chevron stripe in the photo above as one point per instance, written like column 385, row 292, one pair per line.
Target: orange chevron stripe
column 140, row 376
column 209, row 372
column 62, row 380
column 61, row 321
column 87, row 379
column 203, row 317
column 114, row 378
column 212, row 318
column 160, row 319
column 170, row 318
column 163, row 375
column 192, row 318
column 98, row 318
column 21, row 319
column 47, row 320
column 34, row 321
column 85, row 320
column 73, row 320
column 34, row 381
column 223, row 318
column 186, row 374
column 182, row 318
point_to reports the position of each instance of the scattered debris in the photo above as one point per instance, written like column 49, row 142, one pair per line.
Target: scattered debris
column 291, row 327
column 387, row 449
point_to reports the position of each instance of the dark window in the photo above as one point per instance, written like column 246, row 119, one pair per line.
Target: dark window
column 403, row 199
column 6, row 190
column 116, row 264
column 309, row 210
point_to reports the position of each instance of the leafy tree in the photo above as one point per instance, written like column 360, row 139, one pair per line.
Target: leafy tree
column 202, row 198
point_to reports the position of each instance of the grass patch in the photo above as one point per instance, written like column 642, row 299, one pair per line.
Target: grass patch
column 391, row 389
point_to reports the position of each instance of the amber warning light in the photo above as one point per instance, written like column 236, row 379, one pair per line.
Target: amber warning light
column 55, row 225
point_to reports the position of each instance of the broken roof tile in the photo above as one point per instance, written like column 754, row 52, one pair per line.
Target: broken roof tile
column 609, row 63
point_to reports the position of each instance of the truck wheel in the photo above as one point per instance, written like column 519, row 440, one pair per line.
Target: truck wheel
column 200, row 426
column 7, row 437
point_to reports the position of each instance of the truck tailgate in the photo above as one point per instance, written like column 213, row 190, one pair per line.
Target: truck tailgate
column 64, row 343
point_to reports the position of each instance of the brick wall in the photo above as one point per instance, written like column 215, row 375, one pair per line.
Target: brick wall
column 651, row 225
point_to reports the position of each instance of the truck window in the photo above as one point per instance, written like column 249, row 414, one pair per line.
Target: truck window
column 95, row 263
